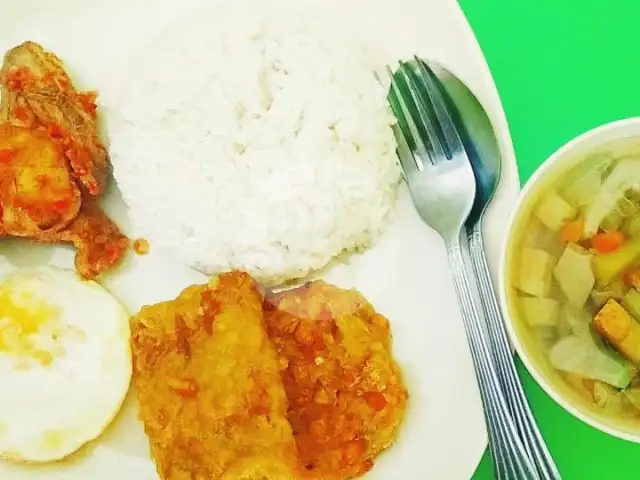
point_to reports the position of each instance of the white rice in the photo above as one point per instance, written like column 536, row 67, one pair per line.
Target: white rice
column 255, row 138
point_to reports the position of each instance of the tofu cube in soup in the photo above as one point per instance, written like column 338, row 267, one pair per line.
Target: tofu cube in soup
column 534, row 276
column 554, row 212
column 574, row 274
column 619, row 328
column 540, row 312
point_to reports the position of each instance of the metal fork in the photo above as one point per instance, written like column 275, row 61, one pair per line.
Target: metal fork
column 442, row 186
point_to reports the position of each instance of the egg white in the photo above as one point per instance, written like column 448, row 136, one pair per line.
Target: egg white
column 50, row 408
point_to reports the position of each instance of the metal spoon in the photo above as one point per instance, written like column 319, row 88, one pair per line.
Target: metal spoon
column 482, row 147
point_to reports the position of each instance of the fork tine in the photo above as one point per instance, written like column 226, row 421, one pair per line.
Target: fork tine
column 425, row 116
column 414, row 132
column 408, row 164
column 434, row 90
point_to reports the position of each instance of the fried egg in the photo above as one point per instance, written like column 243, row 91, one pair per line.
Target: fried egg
column 65, row 363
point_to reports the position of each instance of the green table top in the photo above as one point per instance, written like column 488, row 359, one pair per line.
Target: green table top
column 563, row 67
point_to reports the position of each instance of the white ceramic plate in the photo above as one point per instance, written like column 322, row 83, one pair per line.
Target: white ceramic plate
column 405, row 276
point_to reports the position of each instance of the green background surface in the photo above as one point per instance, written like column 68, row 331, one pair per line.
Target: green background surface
column 563, row 67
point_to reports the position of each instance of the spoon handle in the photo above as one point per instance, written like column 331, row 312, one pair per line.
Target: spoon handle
column 511, row 460
column 508, row 376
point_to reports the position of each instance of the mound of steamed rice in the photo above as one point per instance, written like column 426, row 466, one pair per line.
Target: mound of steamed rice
column 254, row 138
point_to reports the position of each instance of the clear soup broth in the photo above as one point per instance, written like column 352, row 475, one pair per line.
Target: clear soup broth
column 573, row 282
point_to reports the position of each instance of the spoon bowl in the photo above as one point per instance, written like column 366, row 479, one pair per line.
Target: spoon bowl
column 478, row 137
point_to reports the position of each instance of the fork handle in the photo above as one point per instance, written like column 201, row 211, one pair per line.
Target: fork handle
column 510, row 457
column 507, row 373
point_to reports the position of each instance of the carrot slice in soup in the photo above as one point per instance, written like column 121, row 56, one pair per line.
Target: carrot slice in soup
column 572, row 231
column 607, row 242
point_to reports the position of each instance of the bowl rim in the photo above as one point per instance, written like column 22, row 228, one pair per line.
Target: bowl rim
column 563, row 153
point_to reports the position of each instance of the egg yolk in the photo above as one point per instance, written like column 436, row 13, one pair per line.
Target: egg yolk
column 23, row 324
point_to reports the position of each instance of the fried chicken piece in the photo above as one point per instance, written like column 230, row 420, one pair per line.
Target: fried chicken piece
column 37, row 193
column 37, row 92
column 208, row 382
column 346, row 393
column 99, row 243
column 52, row 163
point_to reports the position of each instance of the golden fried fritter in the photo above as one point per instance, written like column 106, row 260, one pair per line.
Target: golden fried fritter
column 208, row 382
column 52, row 163
column 345, row 391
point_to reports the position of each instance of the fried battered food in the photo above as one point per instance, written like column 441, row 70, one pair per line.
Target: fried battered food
column 310, row 391
column 208, row 382
column 53, row 166
column 346, row 394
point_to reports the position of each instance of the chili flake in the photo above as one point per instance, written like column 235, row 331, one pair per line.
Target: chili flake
column 376, row 401
column 7, row 155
